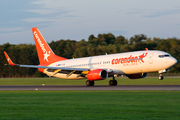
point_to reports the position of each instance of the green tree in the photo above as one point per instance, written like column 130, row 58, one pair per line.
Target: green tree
column 137, row 38
column 121, row 40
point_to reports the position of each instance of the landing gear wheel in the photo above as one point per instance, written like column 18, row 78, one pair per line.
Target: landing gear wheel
column 113, row 82
column 89, row 83
column 161, row 77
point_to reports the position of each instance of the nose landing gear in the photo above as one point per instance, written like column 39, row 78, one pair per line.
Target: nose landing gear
column 161, row 73
column 161, row 77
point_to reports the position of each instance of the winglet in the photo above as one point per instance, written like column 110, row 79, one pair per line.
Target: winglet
column 9, row 60
column 146, row 49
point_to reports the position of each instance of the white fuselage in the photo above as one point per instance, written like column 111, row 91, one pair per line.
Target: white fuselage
column 119, row 64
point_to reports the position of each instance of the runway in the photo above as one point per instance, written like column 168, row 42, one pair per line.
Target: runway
column 96, row 87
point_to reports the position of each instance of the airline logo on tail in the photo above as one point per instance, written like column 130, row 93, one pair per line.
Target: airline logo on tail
column 46, row 54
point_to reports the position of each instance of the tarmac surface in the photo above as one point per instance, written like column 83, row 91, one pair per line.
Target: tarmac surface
column 96, row 87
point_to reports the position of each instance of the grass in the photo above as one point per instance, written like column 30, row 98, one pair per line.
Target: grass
column 89, row 105
column 57, row 81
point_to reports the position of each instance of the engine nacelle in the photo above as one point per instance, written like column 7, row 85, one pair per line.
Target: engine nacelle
column 98, row 74
column 137, row 76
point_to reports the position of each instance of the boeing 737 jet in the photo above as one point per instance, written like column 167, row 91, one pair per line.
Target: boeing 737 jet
column 132, row 64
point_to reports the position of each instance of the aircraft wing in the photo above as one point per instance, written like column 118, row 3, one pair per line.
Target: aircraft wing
column 43, row 67
column 47, row 67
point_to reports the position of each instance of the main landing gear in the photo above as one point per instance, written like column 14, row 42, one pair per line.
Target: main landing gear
column 113, row 82
column 89, row 83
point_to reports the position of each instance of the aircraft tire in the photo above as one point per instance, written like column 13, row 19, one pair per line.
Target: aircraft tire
column 92, row 83
column 89, row 83
column 161, row 77
column 115, row 82
column 111, row 83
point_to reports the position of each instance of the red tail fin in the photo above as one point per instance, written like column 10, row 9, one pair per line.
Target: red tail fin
column 45, row 54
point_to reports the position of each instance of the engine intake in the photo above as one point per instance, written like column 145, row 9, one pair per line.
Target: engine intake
column 98, row 74
column 137, row 76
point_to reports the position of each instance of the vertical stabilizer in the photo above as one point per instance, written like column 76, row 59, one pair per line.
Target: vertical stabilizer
column 45, row 54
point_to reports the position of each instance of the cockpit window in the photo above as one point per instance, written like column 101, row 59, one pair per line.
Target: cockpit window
column 161, row 56
column 166, row 55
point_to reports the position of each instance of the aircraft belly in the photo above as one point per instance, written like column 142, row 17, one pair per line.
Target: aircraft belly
column 64, row 76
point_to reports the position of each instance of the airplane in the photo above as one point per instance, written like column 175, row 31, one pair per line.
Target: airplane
column 134, row 65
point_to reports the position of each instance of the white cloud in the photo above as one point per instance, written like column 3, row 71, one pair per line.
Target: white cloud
column 46, row 11
column 77, row 19
column 37, row 20
column 56, row 4
column 42, row 12
column 163, row 12
column 48, row 6
column 11, row 29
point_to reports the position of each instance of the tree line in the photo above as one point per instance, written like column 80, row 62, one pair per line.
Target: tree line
column 102, row 44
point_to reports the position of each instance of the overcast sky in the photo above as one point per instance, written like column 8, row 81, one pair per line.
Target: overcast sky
column 77, row 19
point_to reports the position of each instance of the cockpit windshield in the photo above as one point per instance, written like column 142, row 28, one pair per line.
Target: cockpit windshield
column 166, row 55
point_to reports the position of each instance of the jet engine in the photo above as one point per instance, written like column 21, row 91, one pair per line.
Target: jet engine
column 137, row 76
column 98, row 74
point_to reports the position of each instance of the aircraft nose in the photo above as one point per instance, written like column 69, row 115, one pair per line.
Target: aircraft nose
column 173, row 61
